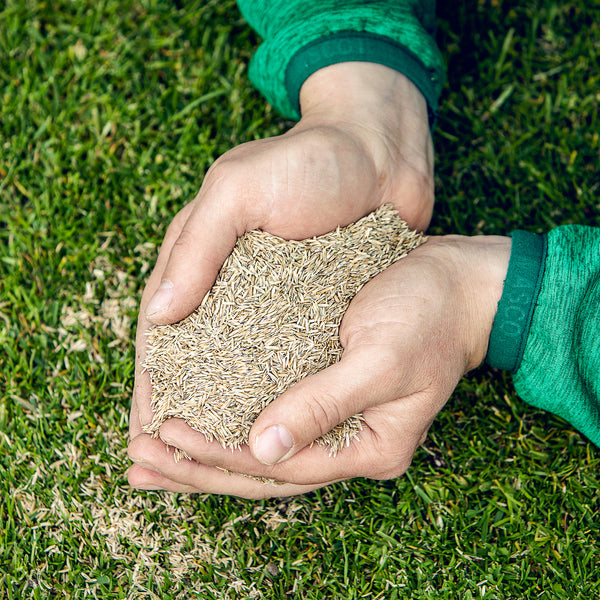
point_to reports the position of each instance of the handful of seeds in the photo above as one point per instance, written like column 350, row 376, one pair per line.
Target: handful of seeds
column 271, row 319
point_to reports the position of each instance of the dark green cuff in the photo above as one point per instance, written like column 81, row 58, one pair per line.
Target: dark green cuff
column 519, row 296
column 347, row 46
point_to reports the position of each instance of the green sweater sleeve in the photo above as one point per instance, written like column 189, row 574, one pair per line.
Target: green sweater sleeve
column 302, row 36
column 547, row 328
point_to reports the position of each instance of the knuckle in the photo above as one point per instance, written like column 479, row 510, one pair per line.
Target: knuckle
column 424, row 184
column 224, row 179
column 412, row 191
column 322, row 412
column 219, row 172
column 424, row 190
column 355, row 332
column 231, row 187
column 393, row 471
column 175, row 227
column 186, row 238
column 365, row 318
column 398, row 469
column 389, row 462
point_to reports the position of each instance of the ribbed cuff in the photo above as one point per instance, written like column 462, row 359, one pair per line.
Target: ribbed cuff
column 519, row 296
column 347, row 46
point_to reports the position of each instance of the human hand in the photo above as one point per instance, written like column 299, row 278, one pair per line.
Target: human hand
column 408, row 337
column 363, row 141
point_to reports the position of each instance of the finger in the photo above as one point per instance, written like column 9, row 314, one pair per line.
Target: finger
column 142, row 390
column 141, row 411
column 135, row 427
column 142, row 478
column 188, row 475
column 383, row 448
column 312, row 407
column 194, row 251
column 312, row 466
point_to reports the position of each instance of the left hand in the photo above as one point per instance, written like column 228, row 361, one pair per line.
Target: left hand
column 408, row 337
column 363, row 141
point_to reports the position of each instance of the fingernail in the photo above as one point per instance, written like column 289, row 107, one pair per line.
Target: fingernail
column 148, row 487
column 161, row 299
column 273, row 444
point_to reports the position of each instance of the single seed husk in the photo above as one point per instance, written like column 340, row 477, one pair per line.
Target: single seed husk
column 271, row 319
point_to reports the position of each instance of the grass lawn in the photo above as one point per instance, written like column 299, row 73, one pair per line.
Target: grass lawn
column 110, row 113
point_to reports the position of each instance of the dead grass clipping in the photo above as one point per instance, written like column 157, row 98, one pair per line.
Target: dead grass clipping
column 271, row 318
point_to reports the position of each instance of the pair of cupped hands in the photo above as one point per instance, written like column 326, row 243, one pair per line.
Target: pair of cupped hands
column 408, row 336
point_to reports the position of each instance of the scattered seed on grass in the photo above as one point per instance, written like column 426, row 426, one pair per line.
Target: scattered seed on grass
column 271, row 319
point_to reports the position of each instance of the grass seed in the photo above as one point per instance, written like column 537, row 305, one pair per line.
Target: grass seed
column 271, row 319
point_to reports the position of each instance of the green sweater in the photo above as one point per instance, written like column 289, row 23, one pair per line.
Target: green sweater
column 547, row 329
column 300, row 37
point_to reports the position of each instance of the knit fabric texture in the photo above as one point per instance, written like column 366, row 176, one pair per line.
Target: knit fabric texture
column 510, row 329
column 560, row 369
column 309, row 35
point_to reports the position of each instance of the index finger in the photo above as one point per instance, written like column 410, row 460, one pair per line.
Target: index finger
column 384, row 448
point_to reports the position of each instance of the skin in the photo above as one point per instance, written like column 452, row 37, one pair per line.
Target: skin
column 408, row 336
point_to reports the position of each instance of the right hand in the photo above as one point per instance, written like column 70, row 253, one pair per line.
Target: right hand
column 363, row 141
column 408, row 336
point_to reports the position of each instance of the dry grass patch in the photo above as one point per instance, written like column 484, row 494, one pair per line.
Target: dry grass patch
column 271, row 319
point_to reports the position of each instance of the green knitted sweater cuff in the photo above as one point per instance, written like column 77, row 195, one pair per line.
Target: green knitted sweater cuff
column 358, row 46
column 560, row 369
column 519, row 295
column 302, row 36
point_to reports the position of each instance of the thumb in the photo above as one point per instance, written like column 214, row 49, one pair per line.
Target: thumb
column 196, row 245
column 319, row 402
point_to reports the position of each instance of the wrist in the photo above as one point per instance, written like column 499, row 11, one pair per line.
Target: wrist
column 490, row 274
column 477, row 268
column 367, row 93
column 382, row 112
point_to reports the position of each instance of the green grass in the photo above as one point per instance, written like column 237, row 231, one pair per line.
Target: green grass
column 110, row 113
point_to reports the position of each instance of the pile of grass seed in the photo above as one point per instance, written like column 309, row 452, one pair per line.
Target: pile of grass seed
column 271, row 319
